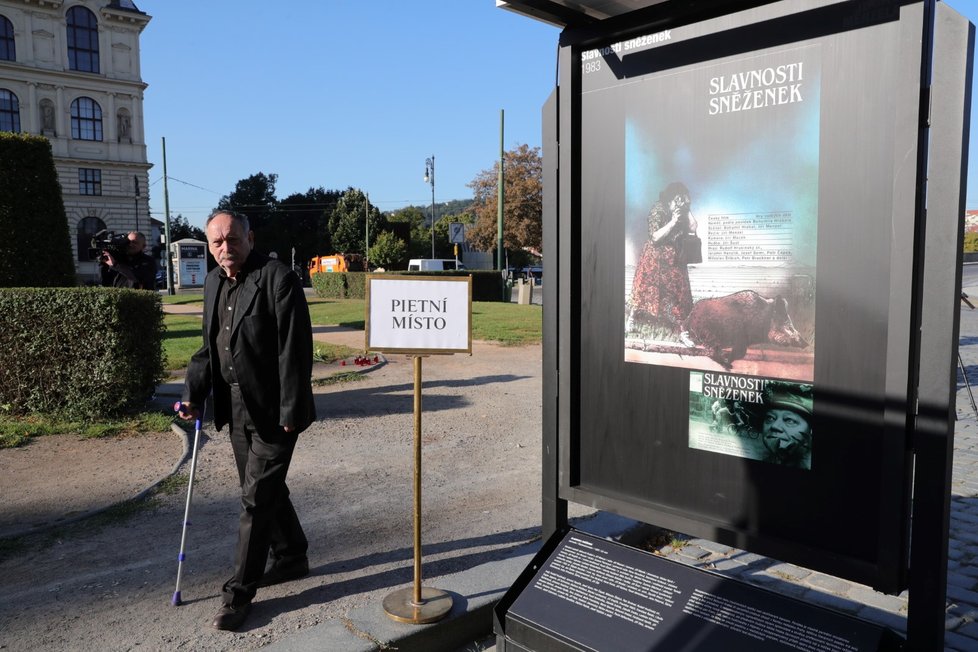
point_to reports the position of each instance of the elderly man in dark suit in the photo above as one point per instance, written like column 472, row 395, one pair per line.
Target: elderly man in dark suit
column 256, row 360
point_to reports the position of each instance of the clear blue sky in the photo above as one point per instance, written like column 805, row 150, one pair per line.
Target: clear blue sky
column 339, row 93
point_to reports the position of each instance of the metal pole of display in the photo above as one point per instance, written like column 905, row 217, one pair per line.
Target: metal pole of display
column 417, row 605
column 947, row 68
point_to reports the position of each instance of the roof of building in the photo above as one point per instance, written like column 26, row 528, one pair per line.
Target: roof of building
column 127, row 5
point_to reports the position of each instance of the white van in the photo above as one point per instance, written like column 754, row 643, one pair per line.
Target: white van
column 433, row 265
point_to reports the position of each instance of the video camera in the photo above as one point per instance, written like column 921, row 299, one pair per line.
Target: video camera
column 105, row 240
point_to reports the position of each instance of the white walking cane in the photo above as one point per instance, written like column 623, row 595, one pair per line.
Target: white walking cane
column 186, row 512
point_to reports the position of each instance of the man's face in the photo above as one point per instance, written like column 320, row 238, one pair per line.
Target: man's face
column 784, row 429
column 135, row 244
column 228, row 243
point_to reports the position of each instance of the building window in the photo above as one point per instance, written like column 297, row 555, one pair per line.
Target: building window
column 87, row 228
column 82, row 40
column 89, row 181
column 9, row 111
column 86, row 119
column 7, row 50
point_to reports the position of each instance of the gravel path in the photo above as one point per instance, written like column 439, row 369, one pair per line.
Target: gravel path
column 106, row 583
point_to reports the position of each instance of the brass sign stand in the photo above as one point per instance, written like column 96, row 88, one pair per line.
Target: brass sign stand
column 417, row 605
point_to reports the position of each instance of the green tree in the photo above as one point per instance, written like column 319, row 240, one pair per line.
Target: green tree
column 347, row 222
column 35, row 248
column 181, row 229
column 971, row 241
column 255, row 197
column 388, row 251
column 419, row 240
column 522, row 203
column 303, row 220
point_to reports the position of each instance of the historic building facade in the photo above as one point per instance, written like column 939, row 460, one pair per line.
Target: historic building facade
column 70, row 71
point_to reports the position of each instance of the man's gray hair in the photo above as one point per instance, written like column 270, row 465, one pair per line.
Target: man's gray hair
column 240, row 218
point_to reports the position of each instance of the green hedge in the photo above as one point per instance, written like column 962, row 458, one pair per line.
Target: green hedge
column 333, row 285
column 487, row 285
column 35, row 247
column 80, row 352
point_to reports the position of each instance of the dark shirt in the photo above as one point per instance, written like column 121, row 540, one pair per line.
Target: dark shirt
column 226, row 296
column 141, row 266
column 225, row 315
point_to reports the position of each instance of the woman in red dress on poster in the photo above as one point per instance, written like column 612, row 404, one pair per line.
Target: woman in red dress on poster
column 661, row 295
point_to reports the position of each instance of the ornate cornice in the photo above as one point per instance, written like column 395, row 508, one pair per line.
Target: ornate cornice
column 127, row 16
column 44, row 4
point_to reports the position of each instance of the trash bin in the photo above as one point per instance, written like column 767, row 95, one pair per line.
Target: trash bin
column 524, row 295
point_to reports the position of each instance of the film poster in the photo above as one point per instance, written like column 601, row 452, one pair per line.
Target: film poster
column 720, row 246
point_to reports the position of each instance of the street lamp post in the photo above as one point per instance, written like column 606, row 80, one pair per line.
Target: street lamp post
column 135, row 182
column 429, row 177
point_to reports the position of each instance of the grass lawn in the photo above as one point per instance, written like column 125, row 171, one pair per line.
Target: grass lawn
column 17, row 430
column 506, row 323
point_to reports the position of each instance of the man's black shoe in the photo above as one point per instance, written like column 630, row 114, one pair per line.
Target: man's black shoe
column 230, row 618
column 285, row 571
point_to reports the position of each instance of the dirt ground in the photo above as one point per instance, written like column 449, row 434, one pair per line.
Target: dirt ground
column 38, row 491
column 106, row 583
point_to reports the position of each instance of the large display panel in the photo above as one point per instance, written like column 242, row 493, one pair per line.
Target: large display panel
column 751, row 384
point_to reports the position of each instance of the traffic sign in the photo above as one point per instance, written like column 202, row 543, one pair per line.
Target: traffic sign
column 456, row 232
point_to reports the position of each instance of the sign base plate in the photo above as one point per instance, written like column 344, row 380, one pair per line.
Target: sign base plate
column 400, row 605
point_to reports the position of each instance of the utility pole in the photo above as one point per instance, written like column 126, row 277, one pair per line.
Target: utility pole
column 135, row 184
column 429, row 177
column 366, row 231
column 166, row 210
column 501, row 185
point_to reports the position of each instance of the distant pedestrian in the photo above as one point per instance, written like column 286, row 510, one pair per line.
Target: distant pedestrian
column 132, row 268
column 256, row 360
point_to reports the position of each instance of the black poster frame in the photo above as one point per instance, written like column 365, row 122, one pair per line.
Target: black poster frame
column 932, row 279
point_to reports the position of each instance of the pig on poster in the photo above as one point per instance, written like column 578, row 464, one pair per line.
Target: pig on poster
column 419, row 314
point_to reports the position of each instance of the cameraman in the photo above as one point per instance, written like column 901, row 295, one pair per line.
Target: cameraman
column 137, row 271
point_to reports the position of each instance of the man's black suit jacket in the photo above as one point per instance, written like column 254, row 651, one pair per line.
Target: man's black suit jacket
column 271, row 345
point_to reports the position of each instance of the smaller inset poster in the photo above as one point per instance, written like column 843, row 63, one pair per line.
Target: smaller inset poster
column 751, row 417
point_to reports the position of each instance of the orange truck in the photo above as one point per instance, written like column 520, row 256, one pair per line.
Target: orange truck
column 336, row 263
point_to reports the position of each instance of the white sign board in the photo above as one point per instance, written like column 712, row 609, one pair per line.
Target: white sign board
column 419, row 314
column 192, row 273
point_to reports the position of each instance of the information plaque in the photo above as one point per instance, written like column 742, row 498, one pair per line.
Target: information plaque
column 594, row 594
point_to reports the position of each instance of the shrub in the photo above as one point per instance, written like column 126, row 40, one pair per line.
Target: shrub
column 79, row 352
column 486, row 285
column 970, row 242
column 35, row 247
column 331, row 285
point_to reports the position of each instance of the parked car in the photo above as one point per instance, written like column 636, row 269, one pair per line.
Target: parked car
column 433, row 265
